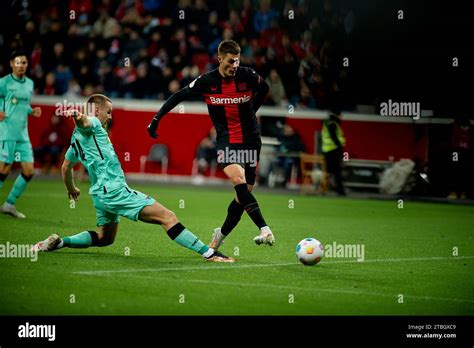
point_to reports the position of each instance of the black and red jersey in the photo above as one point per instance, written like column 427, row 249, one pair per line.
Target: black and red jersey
column 232, row 103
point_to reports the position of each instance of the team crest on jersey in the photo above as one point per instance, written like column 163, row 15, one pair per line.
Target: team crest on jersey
column 14, row 100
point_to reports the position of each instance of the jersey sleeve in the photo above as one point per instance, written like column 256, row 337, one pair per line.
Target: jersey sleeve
column 71, row 155
column 2, row 94
column 259, row 87
column 94, row 126
column 30, row 109
column 196, row 87
column 255, row 79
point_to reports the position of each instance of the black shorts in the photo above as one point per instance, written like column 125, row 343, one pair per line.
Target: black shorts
column 246, row 155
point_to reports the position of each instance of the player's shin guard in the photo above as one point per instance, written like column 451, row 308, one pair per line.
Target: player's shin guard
column 248, row 201
column 84, row 239
column 2, row 179
column 234, row 213
column 187, row 239
column 18, row 187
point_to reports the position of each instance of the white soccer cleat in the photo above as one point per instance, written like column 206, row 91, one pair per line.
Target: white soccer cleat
column 11, row 210
column 217, row 239
column 49, row 244
column 265, row 237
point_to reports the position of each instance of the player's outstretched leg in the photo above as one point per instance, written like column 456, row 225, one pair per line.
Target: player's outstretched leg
column 237, row 175
column 103, row 236
column 234, row 213
column 253, row 210
column 158, row 214
column 18, row 187
column 2, row 179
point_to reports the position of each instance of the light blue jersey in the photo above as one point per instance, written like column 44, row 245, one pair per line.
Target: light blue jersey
column 92, row 147
column 15, row 98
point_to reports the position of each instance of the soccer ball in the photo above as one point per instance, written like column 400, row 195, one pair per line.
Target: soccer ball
column 309, row 251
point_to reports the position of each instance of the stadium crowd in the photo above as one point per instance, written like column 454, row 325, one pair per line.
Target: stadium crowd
column 149, row 49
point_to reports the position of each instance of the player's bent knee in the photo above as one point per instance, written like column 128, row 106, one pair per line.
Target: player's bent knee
column 238, row 180
column 105, row 242
column 27, row 175
column 169, row 218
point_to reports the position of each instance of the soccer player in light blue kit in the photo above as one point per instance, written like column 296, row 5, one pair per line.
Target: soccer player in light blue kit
column 15, row 94
column 111, row 195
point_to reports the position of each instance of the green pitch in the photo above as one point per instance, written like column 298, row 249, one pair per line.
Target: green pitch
column 408, row 266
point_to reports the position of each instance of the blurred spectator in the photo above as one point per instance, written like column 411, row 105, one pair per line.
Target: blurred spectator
column 127, row 76
column 142, row 86
column 264, row 16
column 52, row 145
column 94, row 38
column 50, row 84
column 173, row 87
column 235, row 25
column 287, row 153
column 73, row 90
column 63, row 76
column 276, row 95
column 104, row 25
column 213, row 34
column 206, row 153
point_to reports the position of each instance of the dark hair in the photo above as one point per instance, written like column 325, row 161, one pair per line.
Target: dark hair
column 17, row 54
column 98, row 99
column 228, row 46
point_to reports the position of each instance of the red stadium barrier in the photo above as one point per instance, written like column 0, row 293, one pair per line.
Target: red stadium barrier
column 182, row 134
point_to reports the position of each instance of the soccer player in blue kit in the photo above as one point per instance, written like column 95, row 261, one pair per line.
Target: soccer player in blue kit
column 111, row 195
column 15, row 95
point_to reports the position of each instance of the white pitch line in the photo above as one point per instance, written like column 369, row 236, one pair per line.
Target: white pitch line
column 239, row 266
column 293, row 288
column 227, row 267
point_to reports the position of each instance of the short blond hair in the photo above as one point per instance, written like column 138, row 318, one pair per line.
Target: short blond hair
column 98, row 99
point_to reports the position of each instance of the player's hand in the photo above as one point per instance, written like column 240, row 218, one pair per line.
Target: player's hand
column 2, row 116
column 36, row 112
column 73, row 114
column 152, row 128
column 74, row 194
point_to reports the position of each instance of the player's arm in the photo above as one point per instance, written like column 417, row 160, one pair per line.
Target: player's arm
column 2, row 100
column 261, row 89
column 194, row 88
column 81, row 120
column 68, row 179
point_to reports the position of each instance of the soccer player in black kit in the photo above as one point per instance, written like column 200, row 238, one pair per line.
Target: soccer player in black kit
column 233, row 94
